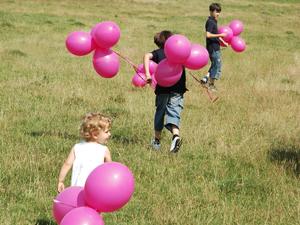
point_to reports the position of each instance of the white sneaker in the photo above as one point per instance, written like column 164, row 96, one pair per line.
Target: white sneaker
column 175, row 144
column 155, row 145
column 204, row 79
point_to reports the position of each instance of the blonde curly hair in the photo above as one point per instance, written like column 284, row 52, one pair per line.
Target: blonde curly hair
column 92, row 123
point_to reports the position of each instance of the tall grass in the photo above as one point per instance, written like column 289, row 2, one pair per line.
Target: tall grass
column 239, row 163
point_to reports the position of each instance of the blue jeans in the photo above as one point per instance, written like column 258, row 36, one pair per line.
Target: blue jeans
column 216, row 64
column 169, row 106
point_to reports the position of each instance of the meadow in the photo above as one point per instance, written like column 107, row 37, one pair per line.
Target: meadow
column 240, row 159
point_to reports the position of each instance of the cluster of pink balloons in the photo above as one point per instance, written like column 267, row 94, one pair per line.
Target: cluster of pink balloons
column 139, row 79
column 108, row 188
column 102, row 37
column 232, row 31
column 180, row 52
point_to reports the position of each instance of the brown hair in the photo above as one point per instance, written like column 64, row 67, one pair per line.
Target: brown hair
column 215, row 6
column 161, row 37
column 93, row 122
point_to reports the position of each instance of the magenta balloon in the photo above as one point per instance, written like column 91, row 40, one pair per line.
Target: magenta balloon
column 236, row 26
column 152, row 67
column 198, row 58
column 109, row 187
column 139, row 80
column 238, row 44
column 82, row 216
column 93, row 30
column 80, row 43
column 106, row 34
column 106, row 63
column 167, row 73
column 67, row 200
column 177, row 48
column 229, row 33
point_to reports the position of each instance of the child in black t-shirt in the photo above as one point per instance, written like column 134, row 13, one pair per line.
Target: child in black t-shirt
column 213, row 40
column 169, row 100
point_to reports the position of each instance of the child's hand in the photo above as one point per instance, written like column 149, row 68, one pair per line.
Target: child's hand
column 60, row 187
column 148, row 79
column 225, row 43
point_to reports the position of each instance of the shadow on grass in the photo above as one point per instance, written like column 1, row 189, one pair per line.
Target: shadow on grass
column 286, row 156
column 53, row 134
column 45, row 222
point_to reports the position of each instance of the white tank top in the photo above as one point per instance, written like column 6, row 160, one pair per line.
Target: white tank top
column 88, row 155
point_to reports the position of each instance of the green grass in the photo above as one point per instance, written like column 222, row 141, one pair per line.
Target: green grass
column 240, row 161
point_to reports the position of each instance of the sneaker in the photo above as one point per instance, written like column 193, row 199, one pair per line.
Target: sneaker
column 212, row 88
column 155, row 144
column 175, row 144
column 204, row 80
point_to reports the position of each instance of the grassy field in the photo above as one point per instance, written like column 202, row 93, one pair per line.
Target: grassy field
column 240, row 161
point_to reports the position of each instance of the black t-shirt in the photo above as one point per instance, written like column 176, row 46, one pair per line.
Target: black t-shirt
column 179, row 87
column 212, row 44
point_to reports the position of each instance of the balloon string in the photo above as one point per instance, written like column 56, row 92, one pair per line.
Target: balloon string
column 131, row 63
column 59, row 202
column 193, row 76
column 211, row 97
column 126, row 59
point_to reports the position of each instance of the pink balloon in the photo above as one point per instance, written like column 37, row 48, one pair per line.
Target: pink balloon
column 238, row 44
column 177, row 48
column 229, row 33
column 80, row 43
column 198, row 58
column 139, row 80
column 106, row 63
column 94, row 28
column 152, row 67
column 69, row 199
column 109, row 187
column 167, row 73
column 236, row 26
column 82, row 216
column 106, row 34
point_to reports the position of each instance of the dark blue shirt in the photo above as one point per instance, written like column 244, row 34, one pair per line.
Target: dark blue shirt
column 179, row 87
column 211, row 26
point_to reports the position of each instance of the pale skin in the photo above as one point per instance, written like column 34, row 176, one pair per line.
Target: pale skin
column 100, row 137
column 147, row 58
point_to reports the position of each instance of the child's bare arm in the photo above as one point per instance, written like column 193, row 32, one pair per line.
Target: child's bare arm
column 107, row 157
column 147, row 58
column 210, row 35
column 64, row 170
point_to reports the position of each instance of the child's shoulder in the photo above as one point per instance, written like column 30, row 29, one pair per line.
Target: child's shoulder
column 80, row 143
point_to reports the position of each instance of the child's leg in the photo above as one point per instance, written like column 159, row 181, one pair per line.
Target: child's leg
column 174, row 130
column 215, row 70
column 173, row 111
column 160, row 103
column 157, row 134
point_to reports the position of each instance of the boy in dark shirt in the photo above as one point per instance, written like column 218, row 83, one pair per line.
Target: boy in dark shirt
column 213, row 46
column 169, row 100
